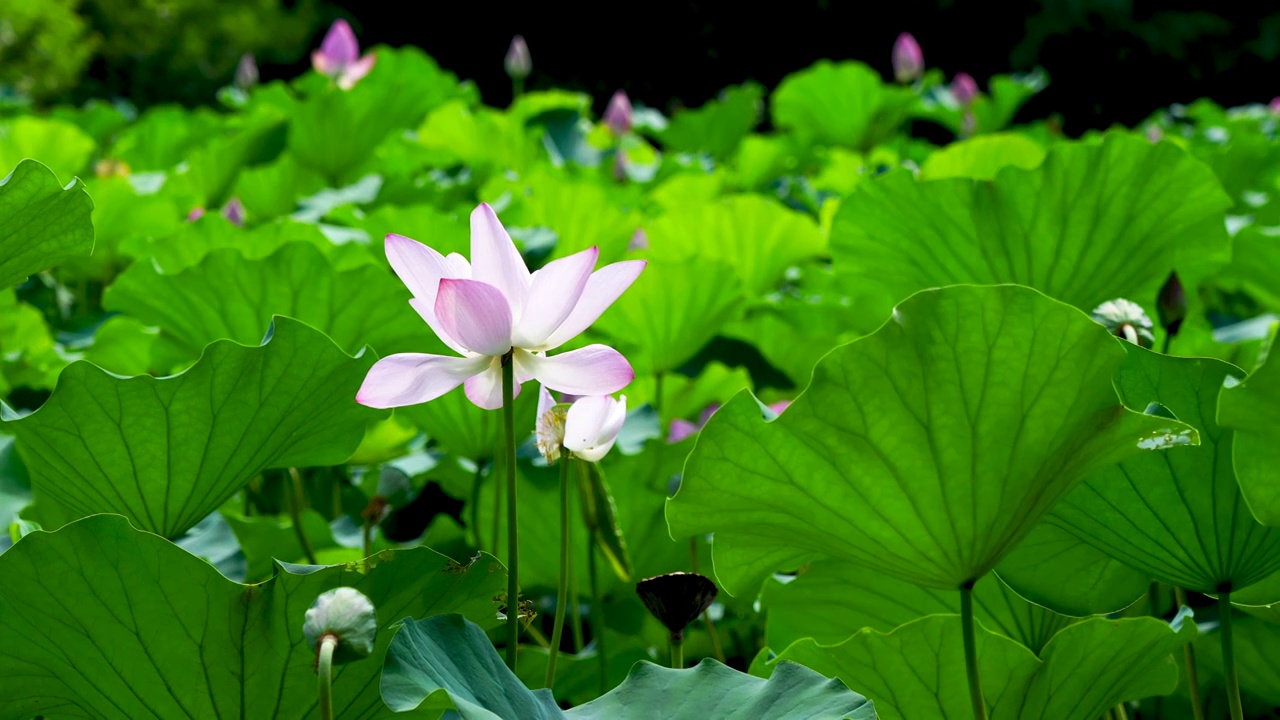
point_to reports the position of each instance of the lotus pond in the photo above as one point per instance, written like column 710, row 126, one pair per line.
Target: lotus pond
column 353, row 397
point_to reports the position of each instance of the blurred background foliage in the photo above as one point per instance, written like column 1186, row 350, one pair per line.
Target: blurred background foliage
column 1111, row 60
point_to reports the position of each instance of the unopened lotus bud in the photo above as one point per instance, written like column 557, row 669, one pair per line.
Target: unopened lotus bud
column 1127, row 320
column 1171, row 305
column 234, row 211
column 639, row 240
column 618, row 115
column 349, row 616
column 1274, row 105
column 518, row 63
column 195, row 214
column 908, row 60
column 246, row 72
column 676, row 599
column 964, row 89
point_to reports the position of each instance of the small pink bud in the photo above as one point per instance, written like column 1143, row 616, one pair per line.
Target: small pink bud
column 618, row 115
column 234, row 211
column 964, row 88
column 195, row 214
column 639, row 241
column 1154, row 133
column 246, row 72
column 1274, row 105
column 908, row 60
column 518, row 62
column 339, row 56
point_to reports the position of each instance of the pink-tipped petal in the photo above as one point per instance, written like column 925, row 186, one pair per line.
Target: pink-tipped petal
column 340, row 44
column 495, row 260
column 603, row 288
column 356, row 71
column 554, row 291
column 592, row 426
column 485, row 389
column 412, row 378
column 323, row 64
column 475, row 314
column 592, row 370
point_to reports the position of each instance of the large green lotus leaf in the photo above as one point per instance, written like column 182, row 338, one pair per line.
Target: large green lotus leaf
column 448, row 662
column 15, row 485
column 480, row 138
column 672, row 311
column 582, row 214
column 123, row 345
column 717, row 127
column 165, row 136
column 135, row 627
column 1179, row 516
column 228, row 296
column 167, row 452
column 185, row 248
column 758, row 237
column 334, row 131
column 1056, row 569
column 1252, row 410
column 831, row 600
column 41, row 222
column 840, row 104
column 459, row 428
column 1255, row 265
column 918, row 670
column 1092, row 223
column 270, row 191
column 29, row 356
column 925, row 450
column 982, row 157
column 62, row 147
column 578, row 676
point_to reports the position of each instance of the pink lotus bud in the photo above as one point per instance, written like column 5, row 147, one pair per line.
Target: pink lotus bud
column 246, row 72
column 639, row 241
column 618, row 115
column 518, row 62
column 339, row 56
column 195, row 214
column 1274, row 105
column 234, row 211
column 908, row 60
column 964, row 88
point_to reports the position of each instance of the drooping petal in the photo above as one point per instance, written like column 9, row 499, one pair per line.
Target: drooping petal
column 592, row 370
column 356, row 71
column 475, row 314
column 340, row 45
column 603, row 287
column 495, row 260
column 412, row 378
column 593, row 425
column 485, row 388
column 554, row 291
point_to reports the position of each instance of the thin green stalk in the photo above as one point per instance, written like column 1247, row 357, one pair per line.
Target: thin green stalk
column 1121, row 713
column 575, row 608
column 497, row 511
column 324, row 674
column 597, row 615
column 562, row 591
column 1153, row 598
column 657, row 394
column 971, row 652
column 1229, row 656
column 1189, row 655
column 513, row 548
column 475, row 505
column 295, row 511
column 677, row 650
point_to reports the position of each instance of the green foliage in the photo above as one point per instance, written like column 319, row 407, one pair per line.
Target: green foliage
column 41, row 222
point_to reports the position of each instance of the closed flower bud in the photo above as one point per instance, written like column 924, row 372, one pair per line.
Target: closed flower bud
column 618, row 115
column 1127, row 320
column 908, row 60
column 518, row 63
column 1171, row 305
column 964, row 89
column 349, row 616
column 246, row 72
column 676, row 599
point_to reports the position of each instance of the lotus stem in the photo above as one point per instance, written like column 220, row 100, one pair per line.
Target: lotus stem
column 562, row 591
column 1229, row 656
column 513, row 548
column 324, row 673
column 575, row 608
column 1189, row 655
column 706, row 614
column 971, row 652
column 677, row 650
column 597, row 614
column 296, row 504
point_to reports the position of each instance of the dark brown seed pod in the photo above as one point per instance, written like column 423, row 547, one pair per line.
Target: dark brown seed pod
column 677, row 599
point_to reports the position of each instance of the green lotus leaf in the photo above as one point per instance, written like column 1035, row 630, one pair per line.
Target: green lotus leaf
column 62, row 147
column 483, row 139
column 759, row 238
column 166, row 452
column 41, row 222
column 1056, row 569
column 271, row 191
column 822, row 603
column 1092, row 223
column 229, row 296
column 1252, row 410
column 1178, row 517
column 581, row 213
column 982, row 157
column 174, row 252
column 925, row 450
column 136, row 627
column 918, row 670
column 448, row 662
column 840, row 104
column 717, row 127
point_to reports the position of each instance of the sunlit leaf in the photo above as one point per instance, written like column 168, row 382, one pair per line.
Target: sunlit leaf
column 41, row 222
column 1252, row 410
column 840, row 104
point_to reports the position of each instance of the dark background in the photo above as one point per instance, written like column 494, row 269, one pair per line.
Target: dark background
column 1109, row 61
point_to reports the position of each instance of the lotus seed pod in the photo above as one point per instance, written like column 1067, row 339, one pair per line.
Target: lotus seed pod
column 676, row 599
column 1126, row 319
column 347, row 614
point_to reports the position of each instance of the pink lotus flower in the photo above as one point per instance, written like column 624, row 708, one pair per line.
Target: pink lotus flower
column 518, row 63
column 587, row 428
column 908, row 59
column 964, row 89
column 493, row 306
column 617, row 117
column 339, row 56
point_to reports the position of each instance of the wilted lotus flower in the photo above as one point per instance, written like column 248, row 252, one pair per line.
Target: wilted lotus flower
column 1171, row 304
column 246, row 72
column 346, row 614
column 339, row 56
column 234, row 211
column 518, row 63
column 618, row 115
column 964, row 89
column 587, row 428
column 492, row 307
column 1127, row 320
column 908, row 60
